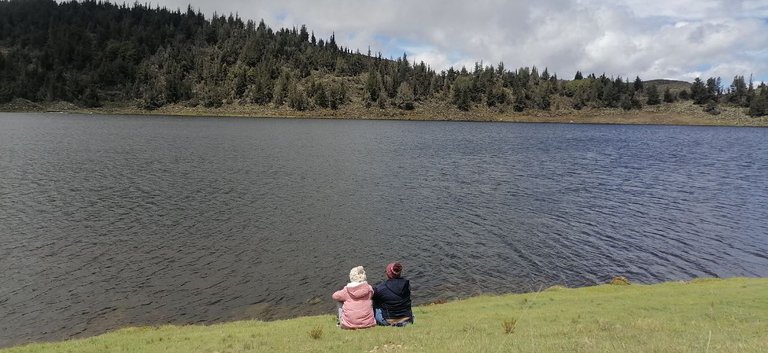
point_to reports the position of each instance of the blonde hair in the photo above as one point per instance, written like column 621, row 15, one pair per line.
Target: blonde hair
column 357, row 274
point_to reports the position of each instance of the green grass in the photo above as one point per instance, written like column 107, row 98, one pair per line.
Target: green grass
column 699, row 316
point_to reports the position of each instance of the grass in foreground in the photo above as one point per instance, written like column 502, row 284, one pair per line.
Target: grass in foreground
column 699, row 316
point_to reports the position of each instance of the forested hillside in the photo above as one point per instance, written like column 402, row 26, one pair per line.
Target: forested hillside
column 90, row 53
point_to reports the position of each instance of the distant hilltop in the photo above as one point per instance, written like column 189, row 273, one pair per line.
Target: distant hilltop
column 134, row 57
column 671, row 84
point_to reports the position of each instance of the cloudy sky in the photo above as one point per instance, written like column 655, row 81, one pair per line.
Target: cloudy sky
column 673, row 39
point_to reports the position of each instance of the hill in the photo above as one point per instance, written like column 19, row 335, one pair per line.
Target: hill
column 674, row 85
column 135, row 57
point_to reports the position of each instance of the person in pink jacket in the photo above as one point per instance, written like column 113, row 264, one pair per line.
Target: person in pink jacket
column 357, row 307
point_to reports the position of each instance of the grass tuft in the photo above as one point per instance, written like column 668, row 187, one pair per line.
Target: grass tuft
column 316, row 333
column 619, row 281
column 509, row 325
column 704, row 280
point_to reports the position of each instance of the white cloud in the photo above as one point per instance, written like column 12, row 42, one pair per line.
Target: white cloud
column 650, row 38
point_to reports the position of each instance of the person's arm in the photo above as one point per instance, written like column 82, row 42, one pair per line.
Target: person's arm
column 340, row 295
column 407, row 289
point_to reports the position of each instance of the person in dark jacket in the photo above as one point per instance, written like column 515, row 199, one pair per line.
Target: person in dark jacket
column 392, row 298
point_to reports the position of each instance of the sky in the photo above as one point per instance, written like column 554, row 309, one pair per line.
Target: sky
column 653, row 39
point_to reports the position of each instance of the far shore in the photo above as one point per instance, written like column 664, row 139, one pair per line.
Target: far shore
column 679, row 113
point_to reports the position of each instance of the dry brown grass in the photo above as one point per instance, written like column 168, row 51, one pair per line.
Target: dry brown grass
column 678, row 113
column 509, row 325
column 316, row 333
column 619, row 281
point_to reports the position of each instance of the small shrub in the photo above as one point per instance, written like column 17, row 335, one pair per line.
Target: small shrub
column 604, row 325
column 509, row 325
column 712, row 108
column 439, row 301
column 316, row 333
column 626, row 103
column 619, row 281
column 668, row 96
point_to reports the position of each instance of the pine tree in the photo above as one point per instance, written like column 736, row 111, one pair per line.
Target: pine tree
column 496, row 96
column 462, row 88
column 653, row 95
column 698, row 92
column 372, row 86
column 297, row 98
column 668, row 96
column 405, row 99
column 638, row 85
column 282, row 85
column 320, row 96
column 90, row 98
column 759, row 104
column 611, row 95
column 337, row 95
column 520, row 103
column 303, row 34
column 545, row 75
column 626, row 102
column 713, row 88
column 738, row 92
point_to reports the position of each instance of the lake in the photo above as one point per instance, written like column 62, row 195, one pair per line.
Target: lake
column 113, row 221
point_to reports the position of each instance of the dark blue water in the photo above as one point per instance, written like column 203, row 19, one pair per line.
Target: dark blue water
column 114, row 221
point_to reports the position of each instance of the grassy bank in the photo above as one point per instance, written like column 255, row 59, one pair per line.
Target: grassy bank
column 679, row 113
column 699, row 316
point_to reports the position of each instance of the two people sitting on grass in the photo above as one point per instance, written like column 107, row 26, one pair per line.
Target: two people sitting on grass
column 361, row 306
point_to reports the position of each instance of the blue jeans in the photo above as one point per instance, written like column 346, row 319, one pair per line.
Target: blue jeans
column 383, row 322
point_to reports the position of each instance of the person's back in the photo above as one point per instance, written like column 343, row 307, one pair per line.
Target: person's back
column 392, row 298
column 356, row 311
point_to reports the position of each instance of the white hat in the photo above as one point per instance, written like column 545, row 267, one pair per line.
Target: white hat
column 357, row 274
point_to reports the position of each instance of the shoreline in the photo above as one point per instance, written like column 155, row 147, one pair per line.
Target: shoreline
column 674, row 314
column 677, row 114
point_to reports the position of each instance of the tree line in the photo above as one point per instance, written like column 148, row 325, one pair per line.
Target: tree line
column 89, row 52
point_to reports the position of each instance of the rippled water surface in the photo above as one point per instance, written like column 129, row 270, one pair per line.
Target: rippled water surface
column 114, row 221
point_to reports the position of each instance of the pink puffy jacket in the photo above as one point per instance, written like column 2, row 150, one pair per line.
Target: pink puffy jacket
column 357, row 310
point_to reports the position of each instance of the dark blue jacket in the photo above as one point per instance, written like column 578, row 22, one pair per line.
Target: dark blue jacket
column 393, row 297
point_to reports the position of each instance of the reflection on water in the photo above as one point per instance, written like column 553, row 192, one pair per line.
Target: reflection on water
column 115, row 221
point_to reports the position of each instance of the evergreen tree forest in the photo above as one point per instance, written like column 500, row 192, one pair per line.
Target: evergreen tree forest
column 92, row 52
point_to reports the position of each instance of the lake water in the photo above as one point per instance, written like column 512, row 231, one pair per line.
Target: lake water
column 112, row 221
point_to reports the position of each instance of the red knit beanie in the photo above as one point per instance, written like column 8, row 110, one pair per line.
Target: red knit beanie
column 394, row 270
